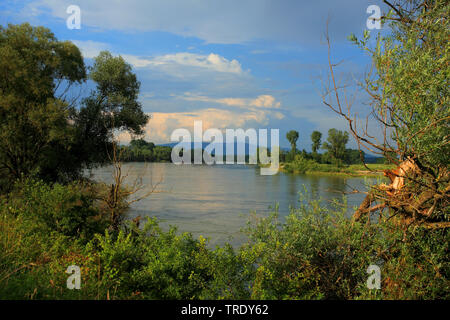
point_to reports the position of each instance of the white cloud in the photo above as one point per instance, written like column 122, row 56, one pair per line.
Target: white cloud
column 136, row 61
column 90, row 49
column 266, row 101
column 213, row 62
column 257, row 113
column 262, row 101
column 161, row 125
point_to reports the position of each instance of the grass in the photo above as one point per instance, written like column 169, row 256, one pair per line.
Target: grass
column 329, row 169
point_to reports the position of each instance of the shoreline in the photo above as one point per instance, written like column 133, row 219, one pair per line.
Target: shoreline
column 331, row 170
column 354, row 170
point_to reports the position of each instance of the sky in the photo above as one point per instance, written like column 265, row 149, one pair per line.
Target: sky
column 230, row 63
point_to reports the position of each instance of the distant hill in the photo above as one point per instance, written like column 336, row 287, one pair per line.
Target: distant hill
column 226, row 146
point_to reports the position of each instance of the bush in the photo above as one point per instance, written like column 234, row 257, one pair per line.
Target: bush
column 320, row 254
column 301, row 165
column 316, row 253
column 151, row 263
column 66, row 209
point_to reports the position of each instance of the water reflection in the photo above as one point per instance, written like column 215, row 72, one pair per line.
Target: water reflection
column 215, row 201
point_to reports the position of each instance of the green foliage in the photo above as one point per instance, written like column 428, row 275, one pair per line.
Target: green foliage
column 292, row 137
column 158, row 265
column 140, row 150
column 409, row 91
column 337, row 154
column 117, row 93
column 316, row 138
column 411, row 87
column 68, row 210
column 353, row 156
column 300, row 165
column 335, row 145
column 318, row 253
column 41, row 134
column 33, row 121
column 42, row 227
column 314, row 253
column 113, row 106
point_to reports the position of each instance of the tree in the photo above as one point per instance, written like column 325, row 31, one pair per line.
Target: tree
column 113, row 106
column 353, row 156
column 34, row 66
column 117, row 93
column 410, row 95
column 41, row 130
column 141, row 144
column 292, row 137
column 316, row 138
column 335, row 144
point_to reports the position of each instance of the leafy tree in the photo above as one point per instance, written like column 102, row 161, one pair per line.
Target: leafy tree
column 41, row 131
column 113, row 106
column 353, row 156
column 33, row 119
column 410, row 95
column 292, row 137
column 141, row 143
column 316, row 138
column 117, row 93
column 162, row 153
column 335, row 144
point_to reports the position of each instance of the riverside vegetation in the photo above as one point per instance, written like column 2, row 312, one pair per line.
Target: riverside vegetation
column 52, row 217
column 336, row 160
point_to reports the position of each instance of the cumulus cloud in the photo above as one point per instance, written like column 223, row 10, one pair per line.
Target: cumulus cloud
column 90, row 49
column 161, row 125
column 252, row 113
column 262, row 101
column 213, row 62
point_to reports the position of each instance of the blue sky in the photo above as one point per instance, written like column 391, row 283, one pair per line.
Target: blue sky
column 232, row 64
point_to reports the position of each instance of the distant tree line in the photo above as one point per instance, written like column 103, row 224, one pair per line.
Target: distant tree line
column 140, row 150
column 335, row 149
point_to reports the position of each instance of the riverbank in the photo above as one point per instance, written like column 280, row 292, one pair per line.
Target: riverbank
column 354, row 170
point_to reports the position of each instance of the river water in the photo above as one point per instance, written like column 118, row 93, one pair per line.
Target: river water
column 216, row 201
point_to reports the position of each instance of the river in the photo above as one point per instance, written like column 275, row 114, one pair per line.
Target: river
column 216, row 201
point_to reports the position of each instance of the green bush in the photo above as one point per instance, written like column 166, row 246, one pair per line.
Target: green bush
column 317, row 252
column 301, row 165
column 151, row 263
column 67, row 209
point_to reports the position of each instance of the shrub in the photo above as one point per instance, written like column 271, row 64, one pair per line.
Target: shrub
column 301, row 165
column 153, row 264
column 318, row 253
column 67, row 209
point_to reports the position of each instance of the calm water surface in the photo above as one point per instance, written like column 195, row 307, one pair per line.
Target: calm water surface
column 216, row 201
